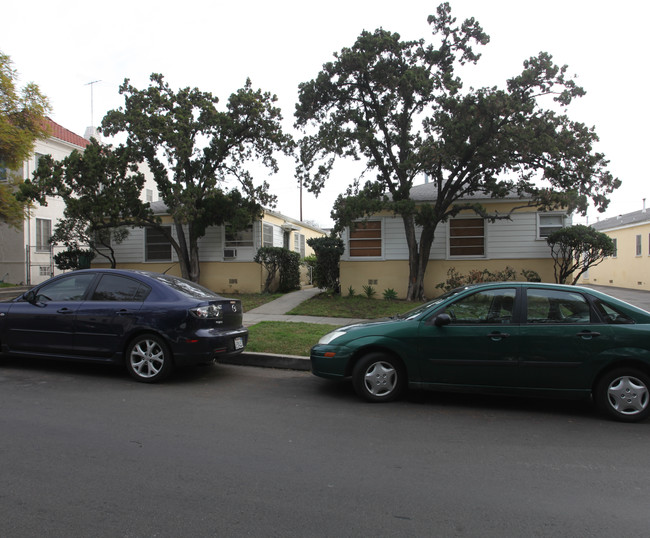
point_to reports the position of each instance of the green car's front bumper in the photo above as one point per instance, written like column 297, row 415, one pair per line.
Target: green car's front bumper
column 330, row 361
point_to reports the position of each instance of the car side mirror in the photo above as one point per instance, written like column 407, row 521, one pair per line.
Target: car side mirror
column 442, row 319
column 29, row 296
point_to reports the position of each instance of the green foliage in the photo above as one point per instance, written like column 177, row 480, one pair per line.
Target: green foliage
column 577, row 248
column 400, row 107
column 369, row 291
column 328, row 252
column 282, row 263
column 476, row 276
column 194, row 149
column 101, row 187
column 530, row 275
column 22, row 116
column 351, row 292
column 390, row 294
column 73, row 259
column 22, row 122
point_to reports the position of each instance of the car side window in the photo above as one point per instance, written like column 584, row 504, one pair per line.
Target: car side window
column 119, row 288
column 611, row 314
column 554, row 306
column 70, row 288
column 486, row 307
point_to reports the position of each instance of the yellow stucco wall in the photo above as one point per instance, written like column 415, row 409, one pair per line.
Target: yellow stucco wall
column 626, row 270
column 394, row 274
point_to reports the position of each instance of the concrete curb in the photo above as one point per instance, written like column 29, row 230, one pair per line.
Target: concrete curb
column 269, row 360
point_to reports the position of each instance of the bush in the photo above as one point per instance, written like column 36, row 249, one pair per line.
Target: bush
column 277, row 260
column 328, row 252
column 390, row 294
column 73, row 259
column 475, row 276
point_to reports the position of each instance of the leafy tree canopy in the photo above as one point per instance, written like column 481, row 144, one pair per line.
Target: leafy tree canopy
column 400, row 107
column 196, row 152
column 577, row 248
column 101, row 187
column 22, row 122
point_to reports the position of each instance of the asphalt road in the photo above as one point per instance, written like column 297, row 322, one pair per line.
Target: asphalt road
column 239, row 451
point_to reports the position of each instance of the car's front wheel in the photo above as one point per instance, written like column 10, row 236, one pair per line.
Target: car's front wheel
column 624, row 394
column 378, row 377
column 148, row 359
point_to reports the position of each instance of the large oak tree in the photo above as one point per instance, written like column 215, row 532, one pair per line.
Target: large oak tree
column 400, row 106
column 199, row 153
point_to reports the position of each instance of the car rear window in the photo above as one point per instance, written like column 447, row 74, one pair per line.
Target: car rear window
column 186, row 287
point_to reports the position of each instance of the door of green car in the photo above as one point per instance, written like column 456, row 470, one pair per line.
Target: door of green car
column 480, row 346
column 562, row 337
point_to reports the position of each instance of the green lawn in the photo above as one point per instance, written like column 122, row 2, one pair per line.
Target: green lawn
column 335, row 306
column 285, row 337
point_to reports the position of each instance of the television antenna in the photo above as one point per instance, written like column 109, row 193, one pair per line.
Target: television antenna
column 92, row 84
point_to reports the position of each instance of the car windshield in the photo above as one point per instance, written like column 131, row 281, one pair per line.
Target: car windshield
column 426, row 306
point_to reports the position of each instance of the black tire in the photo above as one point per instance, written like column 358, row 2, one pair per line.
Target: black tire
column 148, row 359
column 378, row 377
column 624, row 394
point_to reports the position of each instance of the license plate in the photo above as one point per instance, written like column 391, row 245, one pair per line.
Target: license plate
column 239, row 342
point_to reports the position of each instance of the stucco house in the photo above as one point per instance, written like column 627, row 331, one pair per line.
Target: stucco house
column 26, row 257
column 629, row 267
column 376, row 252
column 227, row 264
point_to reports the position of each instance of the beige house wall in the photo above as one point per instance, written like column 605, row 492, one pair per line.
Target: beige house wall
column 383, row 275
column 626, row 269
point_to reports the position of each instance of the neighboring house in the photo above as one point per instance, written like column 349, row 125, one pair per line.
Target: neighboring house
column 629, row 267
column 376, row 253
column 26, row 256
column 227, row 264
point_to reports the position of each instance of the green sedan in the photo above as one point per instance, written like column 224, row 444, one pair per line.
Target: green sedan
column 506, row 337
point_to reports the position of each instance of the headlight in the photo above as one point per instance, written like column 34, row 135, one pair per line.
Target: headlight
column 207, row 312
column 329, row 337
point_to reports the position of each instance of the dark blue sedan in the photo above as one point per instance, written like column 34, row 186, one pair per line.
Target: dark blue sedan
column 148, row 321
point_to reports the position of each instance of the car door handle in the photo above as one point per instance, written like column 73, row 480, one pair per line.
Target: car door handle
column 498, row 335
column 64, row 310
column 587, row 334
column 124, row 312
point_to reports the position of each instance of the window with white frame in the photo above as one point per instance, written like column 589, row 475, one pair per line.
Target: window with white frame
column 157, row 246
column 466, row 237
column 239, row 238
column 365, row 239
column 299, row 243
column 267, row 235
column 548, row 223
column 615, row 241
column 43, row 234
column 638, row 245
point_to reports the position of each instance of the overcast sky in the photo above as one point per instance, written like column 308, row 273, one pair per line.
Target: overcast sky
column 214, row 45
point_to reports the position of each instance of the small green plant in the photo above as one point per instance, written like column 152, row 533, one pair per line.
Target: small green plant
column 390, row 294
column 530, row 275
column 351, row 292
column 369, row 291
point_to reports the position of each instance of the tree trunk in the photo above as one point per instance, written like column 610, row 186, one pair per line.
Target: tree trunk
column 418, row 257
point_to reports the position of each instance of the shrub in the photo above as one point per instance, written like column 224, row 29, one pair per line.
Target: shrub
column 475, row 276
column 277, row 260
column 328, row 252
column 390, row 294
column 73, row 258
column 369, row 291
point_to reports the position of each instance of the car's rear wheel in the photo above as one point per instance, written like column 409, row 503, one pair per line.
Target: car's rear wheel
column 148, row 359
column 379, row 377
column 624, row 394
